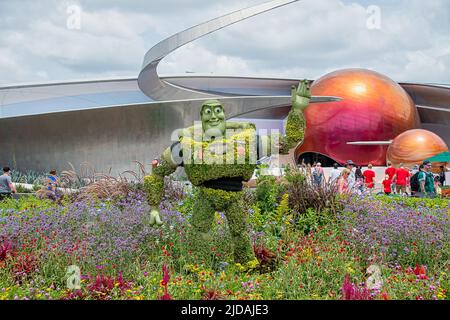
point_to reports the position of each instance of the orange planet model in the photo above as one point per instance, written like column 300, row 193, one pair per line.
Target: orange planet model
column 414, row 146
column 373, row 108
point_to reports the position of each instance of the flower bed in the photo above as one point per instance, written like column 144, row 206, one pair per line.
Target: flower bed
column 301, row 254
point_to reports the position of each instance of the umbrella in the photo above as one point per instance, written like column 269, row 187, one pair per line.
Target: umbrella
column 442, row 157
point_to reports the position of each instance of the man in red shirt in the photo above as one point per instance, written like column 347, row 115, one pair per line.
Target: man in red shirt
column 402, row 179
column 391, row 172
column 369, row 176
column 387, row 185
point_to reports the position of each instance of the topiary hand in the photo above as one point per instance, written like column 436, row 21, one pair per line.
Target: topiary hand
column 301, row 95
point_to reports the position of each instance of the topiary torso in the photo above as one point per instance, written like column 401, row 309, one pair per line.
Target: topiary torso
column 204, row 161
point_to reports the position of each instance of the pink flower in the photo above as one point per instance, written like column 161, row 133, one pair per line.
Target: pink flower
column 165, row 283
column 351, row 291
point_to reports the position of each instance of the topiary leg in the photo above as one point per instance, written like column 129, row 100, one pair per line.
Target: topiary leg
column 201, row 221
column 237, row 221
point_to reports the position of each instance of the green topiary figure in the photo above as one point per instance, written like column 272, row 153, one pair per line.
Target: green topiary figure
column 217, row 156
column 296, row 124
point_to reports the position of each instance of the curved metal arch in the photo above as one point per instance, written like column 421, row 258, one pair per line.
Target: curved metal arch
column 158, row 89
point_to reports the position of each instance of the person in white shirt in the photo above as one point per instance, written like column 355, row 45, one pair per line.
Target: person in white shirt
column 334, row 174
column 350, row 165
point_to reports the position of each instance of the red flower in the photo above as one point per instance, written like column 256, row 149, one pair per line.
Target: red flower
column 212, row 295
column 385, row 296
column 165, row 283
column 6, row 250
column 421, row 272
column 102, row 285
column 24, row 266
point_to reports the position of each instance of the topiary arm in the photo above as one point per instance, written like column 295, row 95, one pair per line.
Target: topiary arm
column 296, row 125
column 154, row 184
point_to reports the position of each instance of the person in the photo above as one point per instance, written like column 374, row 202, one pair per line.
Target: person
column 308, row 172
column 387, row 182
column 343, row 183
column 317, row 175
column 334, row 174
column 369, row 177
column 413, row 180
column 402, row 179
column 351, row 176
column 359, row 178
column 437, row 186
column 391, row 171
column 6, row 185
column 426, row 179
column 442, row 175
column 52, row 185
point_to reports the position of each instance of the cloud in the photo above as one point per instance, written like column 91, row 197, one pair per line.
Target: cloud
column 305, row 39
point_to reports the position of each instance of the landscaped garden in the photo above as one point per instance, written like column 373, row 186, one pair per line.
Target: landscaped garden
column 310, row 244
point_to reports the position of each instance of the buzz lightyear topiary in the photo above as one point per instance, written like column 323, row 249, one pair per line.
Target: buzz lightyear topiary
column 218, row 156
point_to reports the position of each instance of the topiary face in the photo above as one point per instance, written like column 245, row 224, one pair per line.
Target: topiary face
column 213, row 120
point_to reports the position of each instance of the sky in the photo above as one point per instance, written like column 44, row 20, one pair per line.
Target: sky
column 58, row 40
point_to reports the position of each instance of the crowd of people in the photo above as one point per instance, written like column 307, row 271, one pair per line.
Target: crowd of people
column 418, row 181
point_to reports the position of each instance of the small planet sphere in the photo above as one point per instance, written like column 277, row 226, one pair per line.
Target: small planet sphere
column 414, row 146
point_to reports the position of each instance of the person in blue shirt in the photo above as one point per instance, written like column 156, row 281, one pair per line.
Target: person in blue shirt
column 52, row 184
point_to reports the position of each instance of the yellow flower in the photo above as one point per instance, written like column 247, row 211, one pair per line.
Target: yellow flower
column 349, row 268
column 441, row 294
column 307, row 253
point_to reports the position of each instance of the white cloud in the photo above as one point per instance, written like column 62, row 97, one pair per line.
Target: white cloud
column 305, row 39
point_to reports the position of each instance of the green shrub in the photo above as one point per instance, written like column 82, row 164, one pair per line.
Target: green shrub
column 311, row 220
column 415, row 203
column 21, row 189
column 268, row 192
column 24, row 203
column 303, row 195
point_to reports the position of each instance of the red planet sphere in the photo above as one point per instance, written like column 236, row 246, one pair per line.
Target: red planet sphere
column 374, row 108
column 414, row 146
